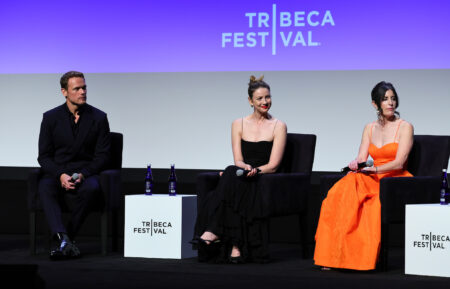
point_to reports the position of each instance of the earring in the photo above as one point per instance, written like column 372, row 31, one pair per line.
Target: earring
column 251, row 105
column 380, row 117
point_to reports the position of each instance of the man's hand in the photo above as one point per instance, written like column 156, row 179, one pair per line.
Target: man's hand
column 66, row 182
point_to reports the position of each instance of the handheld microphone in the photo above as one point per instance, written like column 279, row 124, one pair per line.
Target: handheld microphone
column 369, row 163
column 75, row 177
column 241, row 172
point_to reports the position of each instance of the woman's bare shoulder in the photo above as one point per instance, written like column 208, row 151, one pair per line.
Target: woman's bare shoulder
column 237, row 121
column 406, row 126
column 280, row 126
column 369, row 126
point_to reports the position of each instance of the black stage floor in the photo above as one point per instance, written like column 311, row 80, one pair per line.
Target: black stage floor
column 286, row 270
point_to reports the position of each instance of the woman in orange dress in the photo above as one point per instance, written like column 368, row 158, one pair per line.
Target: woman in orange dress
column 349, row 231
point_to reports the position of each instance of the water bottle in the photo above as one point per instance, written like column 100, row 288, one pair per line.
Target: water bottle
column 444, row 188
column 149, row 181
column 172, row 181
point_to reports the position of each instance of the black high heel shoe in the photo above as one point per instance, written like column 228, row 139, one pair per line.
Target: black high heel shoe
column 236, row 260
column 208, row 250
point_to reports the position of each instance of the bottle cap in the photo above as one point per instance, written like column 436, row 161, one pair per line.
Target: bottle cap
column 444, row 170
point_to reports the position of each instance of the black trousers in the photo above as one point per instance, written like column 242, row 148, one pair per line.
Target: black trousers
column 79, row 201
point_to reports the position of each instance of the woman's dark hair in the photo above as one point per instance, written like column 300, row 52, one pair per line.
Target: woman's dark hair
column 254, row 84
column 378, row 93
column 68, row 75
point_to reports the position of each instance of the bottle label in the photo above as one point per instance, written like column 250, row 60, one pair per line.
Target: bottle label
column 172, row 188
column 148, row 188
column 443, row 199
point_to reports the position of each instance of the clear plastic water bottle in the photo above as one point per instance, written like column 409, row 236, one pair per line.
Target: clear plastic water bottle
column 149, row 181
column 172, row 181
column 444, row 188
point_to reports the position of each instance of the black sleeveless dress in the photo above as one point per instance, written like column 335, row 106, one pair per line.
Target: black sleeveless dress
column 233, row 211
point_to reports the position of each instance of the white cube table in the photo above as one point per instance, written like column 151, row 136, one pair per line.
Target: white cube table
column 159, row 226
column 427, row 240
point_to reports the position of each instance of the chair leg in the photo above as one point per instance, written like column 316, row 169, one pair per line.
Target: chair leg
column 114, row 230
column 104, row 232
column 32, row 233
column 307, row 248
column 49, row 239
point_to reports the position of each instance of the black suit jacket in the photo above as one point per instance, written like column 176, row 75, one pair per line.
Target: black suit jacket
column 60, row 152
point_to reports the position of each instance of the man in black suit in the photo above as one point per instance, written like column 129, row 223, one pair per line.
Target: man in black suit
column 74, row 147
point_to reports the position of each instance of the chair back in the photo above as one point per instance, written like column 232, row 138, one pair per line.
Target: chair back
column 115, row 157
column 298, row 154
column 429, row 155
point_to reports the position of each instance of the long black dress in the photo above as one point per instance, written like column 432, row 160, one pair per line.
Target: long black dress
column 233, row 211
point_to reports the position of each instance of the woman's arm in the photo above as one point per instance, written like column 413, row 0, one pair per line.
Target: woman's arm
column 405, row 142
column 363, row 153
column 236, row 136
column 276, row 155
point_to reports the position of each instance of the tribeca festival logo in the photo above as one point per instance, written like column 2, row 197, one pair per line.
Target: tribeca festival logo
column 432, row 241
column 295, row 29
column 153, row 228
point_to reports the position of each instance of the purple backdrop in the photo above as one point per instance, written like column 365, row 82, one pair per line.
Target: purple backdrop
column 160, row 36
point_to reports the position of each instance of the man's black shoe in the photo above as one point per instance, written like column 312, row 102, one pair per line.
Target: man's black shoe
column 66, row 249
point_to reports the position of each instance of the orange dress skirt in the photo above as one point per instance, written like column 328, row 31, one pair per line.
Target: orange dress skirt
column 349, row 231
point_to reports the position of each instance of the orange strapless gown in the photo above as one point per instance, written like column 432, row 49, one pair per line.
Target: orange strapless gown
column 349, row 230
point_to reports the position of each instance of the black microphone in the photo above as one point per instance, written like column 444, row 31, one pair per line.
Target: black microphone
column 241, row 172
column 369, row 163
column 75, row 177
